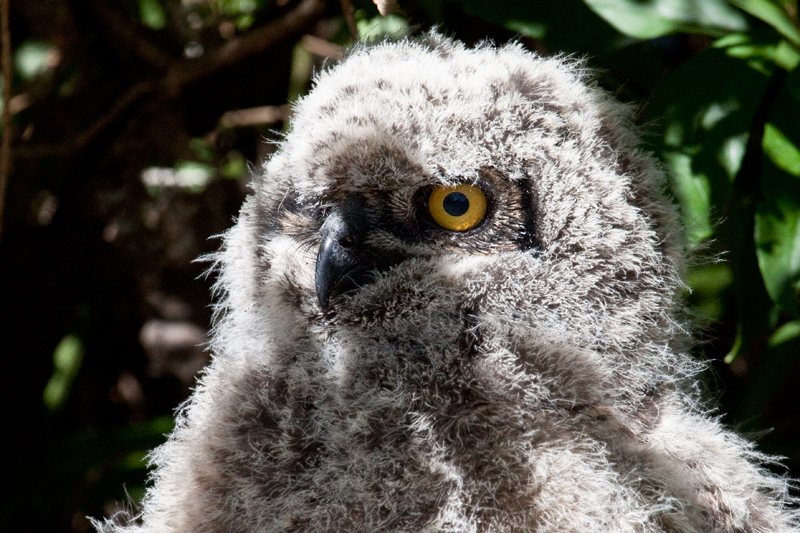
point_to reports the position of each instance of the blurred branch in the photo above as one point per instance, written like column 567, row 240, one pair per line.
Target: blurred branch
column 179, row 72
column 321, row 47
column 350, row 16
column 748, row 180
column 385, row 7
column 125, row 33
column 130, row 97
column 256, row 41
column 5, row 143
column 255, row 116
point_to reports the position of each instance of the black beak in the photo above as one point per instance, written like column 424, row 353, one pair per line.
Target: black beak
column 334, row 272
column 341, row 264
column 344, row 261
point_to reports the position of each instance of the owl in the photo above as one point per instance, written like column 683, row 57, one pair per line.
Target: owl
column 451, row 304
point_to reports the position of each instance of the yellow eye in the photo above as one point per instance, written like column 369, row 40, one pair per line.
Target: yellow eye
column 458, row 208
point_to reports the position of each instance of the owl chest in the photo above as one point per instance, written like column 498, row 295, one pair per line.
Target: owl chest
column 410, row 437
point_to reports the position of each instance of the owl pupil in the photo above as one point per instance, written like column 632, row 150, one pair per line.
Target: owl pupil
column 455, row 204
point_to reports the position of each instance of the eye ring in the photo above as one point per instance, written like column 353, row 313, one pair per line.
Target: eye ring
column 457, row 208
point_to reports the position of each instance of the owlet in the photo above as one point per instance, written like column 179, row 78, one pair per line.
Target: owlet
column 451, row 304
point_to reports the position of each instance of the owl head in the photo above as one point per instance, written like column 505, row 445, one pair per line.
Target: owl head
column 432, row 198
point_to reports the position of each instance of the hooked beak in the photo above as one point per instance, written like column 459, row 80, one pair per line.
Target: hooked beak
column 334, row 273
column 340, row 260
column 344, row 262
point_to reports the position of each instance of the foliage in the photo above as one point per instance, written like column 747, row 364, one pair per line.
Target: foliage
column 133, row 121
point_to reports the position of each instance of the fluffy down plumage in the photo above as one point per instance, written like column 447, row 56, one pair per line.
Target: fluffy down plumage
column 529, row 374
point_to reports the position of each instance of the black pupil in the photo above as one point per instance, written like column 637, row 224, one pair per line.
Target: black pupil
column 455, row 204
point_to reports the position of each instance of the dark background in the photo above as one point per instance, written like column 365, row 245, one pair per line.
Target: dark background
column 127, row 160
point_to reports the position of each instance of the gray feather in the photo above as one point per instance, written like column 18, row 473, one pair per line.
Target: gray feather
column 529, row 375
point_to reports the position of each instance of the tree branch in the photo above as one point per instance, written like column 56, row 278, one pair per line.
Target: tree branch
column 350, row 16
column 125, row 33
column 5, row 143
column 130, row 97
column 292, row 23
column 180, row 73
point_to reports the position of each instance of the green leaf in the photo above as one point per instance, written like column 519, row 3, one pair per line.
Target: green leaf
column 234, row 165
column 243, row 6
column 31, row 58
column 234, row 8
column 379, row 27
column 648, row 19
column 693, row 193
column 706, row 107
column 777, row 222
column 190, row 176
column 193, row 176
column 758, row 47
column 787, row 56
column 567, row 25
column 202, row 148
column 707, row 284
column 772, row 14
column 302, row 69
column 243, row 22
column 532, row 29
column 135, row 460
column 152, row 14
column 786, row 333
column 777, row 234
column 781, row 150
column 67, row 359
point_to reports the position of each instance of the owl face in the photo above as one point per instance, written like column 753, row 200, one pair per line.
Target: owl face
column 361, row 235
column 486, row 179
